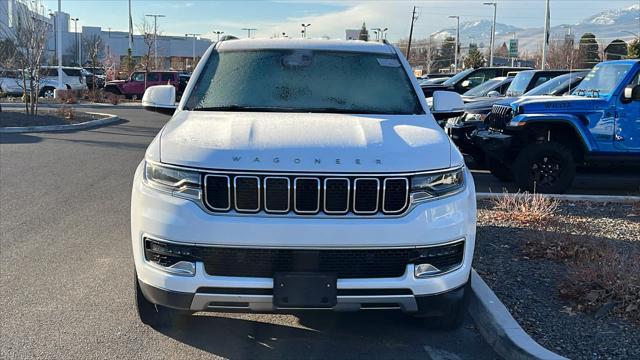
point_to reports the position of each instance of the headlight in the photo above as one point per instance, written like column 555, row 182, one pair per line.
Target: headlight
column 429, row 186
column 181, row 183
column 476, row 117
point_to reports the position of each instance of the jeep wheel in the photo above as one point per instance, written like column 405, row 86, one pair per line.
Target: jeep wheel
column 47, row 93
column 545, row 168
column 150, row 313
column 499, row 169
column 453, row 314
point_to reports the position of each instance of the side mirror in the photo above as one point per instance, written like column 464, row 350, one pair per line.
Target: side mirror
column 493, row 94
column 447, row 104
column 160, row 98
column 466, row 84
column 632, row 92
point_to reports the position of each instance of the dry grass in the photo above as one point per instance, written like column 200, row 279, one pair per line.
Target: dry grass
column 601, row 277
column 113, row 98
column 610, row 282
column 525, row 208
column 68, row 97
column 66, row 112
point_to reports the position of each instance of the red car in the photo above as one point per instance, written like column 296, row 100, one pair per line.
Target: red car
column 134, row 86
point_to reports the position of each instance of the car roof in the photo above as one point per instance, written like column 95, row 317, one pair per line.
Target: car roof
column 310, row 44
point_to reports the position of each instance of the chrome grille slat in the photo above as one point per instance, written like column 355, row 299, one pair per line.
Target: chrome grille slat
column 308, row 195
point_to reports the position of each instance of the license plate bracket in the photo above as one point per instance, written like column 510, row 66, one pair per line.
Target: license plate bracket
column 304, row 290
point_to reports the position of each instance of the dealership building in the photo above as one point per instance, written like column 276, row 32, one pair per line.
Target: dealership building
column 174, row 52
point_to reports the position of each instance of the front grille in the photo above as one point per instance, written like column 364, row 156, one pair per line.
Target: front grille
column 306, row 195
column 499, row 117
column 345, row 263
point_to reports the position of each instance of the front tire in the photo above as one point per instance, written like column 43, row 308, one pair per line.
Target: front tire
column 47, row 92
column 451, row 315
column 498, row 169
column 545, row 168
column 150, row 313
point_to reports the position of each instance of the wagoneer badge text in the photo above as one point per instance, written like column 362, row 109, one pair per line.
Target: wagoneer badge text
column 315, row 161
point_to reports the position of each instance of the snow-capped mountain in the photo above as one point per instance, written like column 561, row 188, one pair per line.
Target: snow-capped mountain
column 607, row 26
column 615, row 16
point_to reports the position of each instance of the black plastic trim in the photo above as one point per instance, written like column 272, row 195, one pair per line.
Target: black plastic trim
column 172, row 299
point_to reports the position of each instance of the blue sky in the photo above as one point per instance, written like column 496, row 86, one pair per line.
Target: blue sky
column 327, row 18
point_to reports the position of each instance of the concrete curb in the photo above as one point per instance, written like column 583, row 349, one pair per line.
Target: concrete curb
column 108, row 119
column 594, row 198
column 499, row 328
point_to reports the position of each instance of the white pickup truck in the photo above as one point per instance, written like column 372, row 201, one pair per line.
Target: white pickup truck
column 302, row 174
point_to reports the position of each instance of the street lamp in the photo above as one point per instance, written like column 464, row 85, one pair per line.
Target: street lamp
column 457, row 46
column 493, row 29
column 377, row 31
column 75, row 22
column 249, row 30
column 218, row 33
column 194, row 47
column 384, row 34
column 155, row 36
column 304, row 30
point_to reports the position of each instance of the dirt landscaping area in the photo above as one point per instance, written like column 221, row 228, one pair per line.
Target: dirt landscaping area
column 568, row 272
column 59, row 116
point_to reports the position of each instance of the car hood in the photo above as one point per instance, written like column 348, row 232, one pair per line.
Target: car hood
column 304, row 142
column 543, row 104
column 484, row 105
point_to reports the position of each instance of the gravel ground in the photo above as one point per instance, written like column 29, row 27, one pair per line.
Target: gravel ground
column 44, row 117
column 530, row 287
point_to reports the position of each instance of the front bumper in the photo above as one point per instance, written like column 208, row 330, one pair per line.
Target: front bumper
column 460, row 132
column 161, row 216
column 493, row 143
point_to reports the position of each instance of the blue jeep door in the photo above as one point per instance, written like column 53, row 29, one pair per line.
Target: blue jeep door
column 627, row 130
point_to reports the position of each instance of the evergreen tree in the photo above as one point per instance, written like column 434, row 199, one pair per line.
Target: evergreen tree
column 634, row 49
column 589, row 55
column 475, row 59
column 447, row 52
column 616, row 50
column 364, row 33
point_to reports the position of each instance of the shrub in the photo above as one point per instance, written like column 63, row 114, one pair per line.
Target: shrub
column 67, row 97
column 67, row 113
column 114, row 99
column 525, row 208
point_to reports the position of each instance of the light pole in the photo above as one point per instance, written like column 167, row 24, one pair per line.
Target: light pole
column 218, row 33
column 75, row 23
column 493, row 29
column 457, row 46
column 304, row 30
column 155, row 36
column 194, row 47
column 249, row 30
column 59, row 40
column 383, row 36
column 377, row 31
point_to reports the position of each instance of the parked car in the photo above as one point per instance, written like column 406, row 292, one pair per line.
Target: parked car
column 94, row 76
column 296, row 183
column 134, row 86
column 72, row 79
column 540, row 141
column 460, row 128
column 468, row 79
column 11, row 82
column 183, row 80
column 492, row 88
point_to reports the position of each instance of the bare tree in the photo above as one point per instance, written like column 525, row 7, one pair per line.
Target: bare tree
column 149, row 37
column 28, row 33
column 94, row 49
column 562, row 54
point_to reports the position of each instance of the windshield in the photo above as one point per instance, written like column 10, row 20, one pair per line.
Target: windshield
column 555, row 85
column 484, row 88
column 304, row 81
column 519, row 84
column 456, row 77
column 602, row 79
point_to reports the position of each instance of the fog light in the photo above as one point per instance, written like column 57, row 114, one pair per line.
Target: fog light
column 172, row 258
column 183, row 268
column 425, row 270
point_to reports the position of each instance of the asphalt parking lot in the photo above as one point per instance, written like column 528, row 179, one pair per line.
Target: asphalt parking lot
column 66, row 270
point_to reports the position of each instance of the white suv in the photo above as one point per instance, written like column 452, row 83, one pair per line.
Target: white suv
column 11, row 81
column 302, row 174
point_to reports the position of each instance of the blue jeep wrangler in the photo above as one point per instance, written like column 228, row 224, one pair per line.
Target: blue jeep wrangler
column 539, row 142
